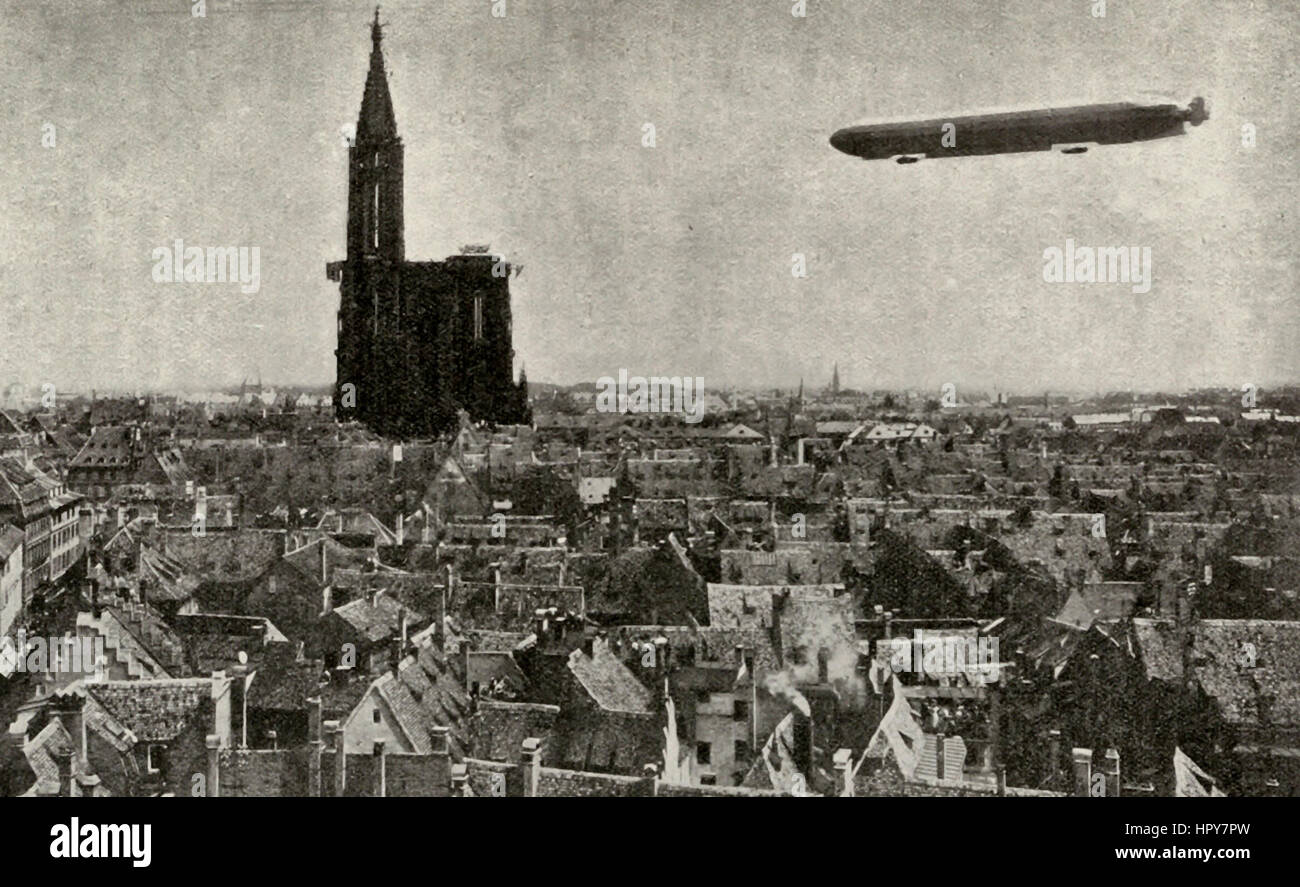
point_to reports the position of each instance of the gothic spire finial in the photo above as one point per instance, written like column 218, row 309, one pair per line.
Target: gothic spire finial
column 376, row 29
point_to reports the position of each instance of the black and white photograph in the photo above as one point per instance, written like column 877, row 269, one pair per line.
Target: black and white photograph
column 593, row 398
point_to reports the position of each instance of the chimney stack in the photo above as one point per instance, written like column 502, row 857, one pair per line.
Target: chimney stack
column 381, row 777
column 335, row 730
column 1054, row 755
column 440, row 608
column 459, row 780
column 1083, row 772
column 1110, row 767
column 70, row 713
column 843, row 760
column 803, row 745
column 63, row 761
column 532, row 766
column 214, row 765
column 317, row 747
column 238, row 706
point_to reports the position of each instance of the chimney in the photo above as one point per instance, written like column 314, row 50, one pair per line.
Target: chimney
column 803, row 746
column 532, row 766
column 335, row 730
column 1002, row 780
column 1083, row 772
column 995, row 720
column 221, row 707
column 401, row 528
column 317, row 747
column 238, row 706
column 1110, row 767
column 1054, row 755
column 843, row 760
column 381, row 777
column 71, row 715
column 63, row 761
column 440, row 608
column 1186, row 623
column 439, row 740
column 214, row 766
column 327, row 601
column 459, row 780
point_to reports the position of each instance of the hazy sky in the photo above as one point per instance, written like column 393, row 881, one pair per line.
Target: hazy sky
column 526, row 131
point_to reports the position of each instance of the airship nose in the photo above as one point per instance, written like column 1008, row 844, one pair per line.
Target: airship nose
column 842, row 141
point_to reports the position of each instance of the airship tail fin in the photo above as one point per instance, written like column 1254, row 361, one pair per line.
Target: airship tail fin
column 1197, row 113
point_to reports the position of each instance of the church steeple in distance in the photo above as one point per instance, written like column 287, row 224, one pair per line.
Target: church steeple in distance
column 375, row 220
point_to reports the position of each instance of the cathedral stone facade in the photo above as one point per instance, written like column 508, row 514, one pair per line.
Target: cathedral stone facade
column 418, row 342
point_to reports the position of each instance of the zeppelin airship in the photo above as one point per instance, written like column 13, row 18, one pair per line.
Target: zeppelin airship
column 1071, row 130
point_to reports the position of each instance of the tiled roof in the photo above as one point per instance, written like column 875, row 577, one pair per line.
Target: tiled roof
column 750, row 606
column 40, row 751
column 1250, row 667
column 376, row 619
column 608, row 681
column 497, row 729
column 153, row 710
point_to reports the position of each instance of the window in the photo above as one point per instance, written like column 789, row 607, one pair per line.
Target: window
column 710, row 779
column 155, row 758
column 703, row 753
column 741, row 711
column 376, row 716
column 742, row 750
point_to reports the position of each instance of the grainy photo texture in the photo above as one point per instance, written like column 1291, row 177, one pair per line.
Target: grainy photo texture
column 751, row 398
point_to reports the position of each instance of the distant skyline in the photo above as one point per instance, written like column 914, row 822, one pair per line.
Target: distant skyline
column 526, row 132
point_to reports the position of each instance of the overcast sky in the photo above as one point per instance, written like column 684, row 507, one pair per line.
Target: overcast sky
column 526, row 132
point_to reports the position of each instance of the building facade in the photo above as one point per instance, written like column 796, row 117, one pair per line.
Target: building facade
column 418, row 342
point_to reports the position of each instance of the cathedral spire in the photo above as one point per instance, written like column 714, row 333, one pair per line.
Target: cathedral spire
column 376, row 123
